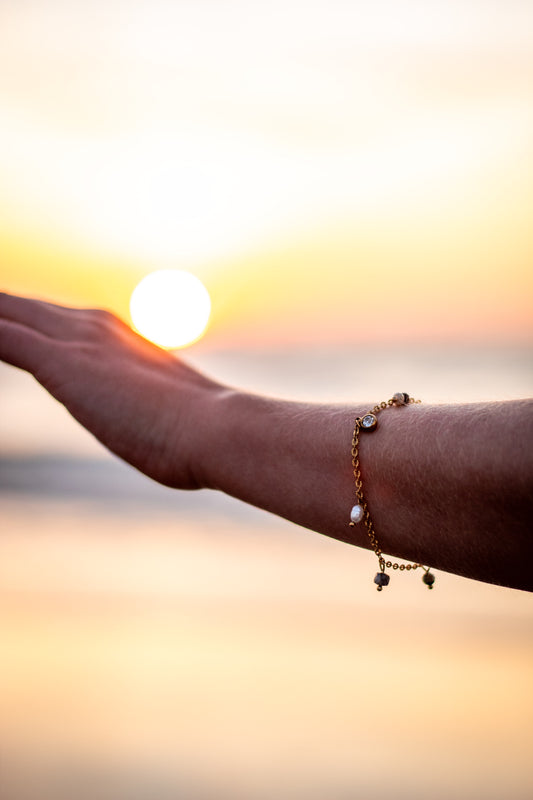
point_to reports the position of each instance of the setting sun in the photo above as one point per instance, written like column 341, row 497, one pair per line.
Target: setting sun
column 170, row 307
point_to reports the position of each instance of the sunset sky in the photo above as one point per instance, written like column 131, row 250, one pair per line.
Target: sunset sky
column 337, row 173
column 333, row 171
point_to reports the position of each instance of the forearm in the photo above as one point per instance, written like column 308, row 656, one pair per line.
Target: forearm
column 447, row 486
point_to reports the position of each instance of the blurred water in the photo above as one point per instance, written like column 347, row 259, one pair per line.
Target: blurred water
column 164, row 644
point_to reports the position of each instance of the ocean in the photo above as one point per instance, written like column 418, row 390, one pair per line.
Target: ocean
column 161, row 644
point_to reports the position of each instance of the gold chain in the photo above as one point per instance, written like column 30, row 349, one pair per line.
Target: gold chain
column 360, row 512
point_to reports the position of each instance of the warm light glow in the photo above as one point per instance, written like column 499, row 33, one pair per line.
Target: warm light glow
column 170, row 307
column 389, row 139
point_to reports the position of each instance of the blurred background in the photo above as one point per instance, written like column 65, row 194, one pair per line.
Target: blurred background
column 353, row 183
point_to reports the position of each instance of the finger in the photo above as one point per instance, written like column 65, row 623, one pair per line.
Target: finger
column 52, row 320
column 23, row 347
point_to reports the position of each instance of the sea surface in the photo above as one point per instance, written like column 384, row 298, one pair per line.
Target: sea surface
column 161, row 644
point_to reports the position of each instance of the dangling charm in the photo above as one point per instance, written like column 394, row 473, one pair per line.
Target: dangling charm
column 428, row 578
column 356, row 514
column 400, row 399
column 382, row 579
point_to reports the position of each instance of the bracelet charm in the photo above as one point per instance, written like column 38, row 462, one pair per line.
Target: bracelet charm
column 356, row 514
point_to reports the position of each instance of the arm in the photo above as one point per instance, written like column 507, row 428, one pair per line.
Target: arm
column 449, row 486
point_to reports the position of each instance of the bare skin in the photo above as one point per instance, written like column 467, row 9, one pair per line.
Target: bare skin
column 447, row 486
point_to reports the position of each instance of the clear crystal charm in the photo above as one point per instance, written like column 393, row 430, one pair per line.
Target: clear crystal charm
column 368, row 422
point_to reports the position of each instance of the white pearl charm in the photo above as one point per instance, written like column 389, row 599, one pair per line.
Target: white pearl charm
column 356, row 514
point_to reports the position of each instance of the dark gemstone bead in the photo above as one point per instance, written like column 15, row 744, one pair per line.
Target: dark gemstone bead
column 382, row 580
column 429, row 579
column 405, row 397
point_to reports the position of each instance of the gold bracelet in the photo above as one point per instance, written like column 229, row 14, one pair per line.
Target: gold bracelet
column 360, row 513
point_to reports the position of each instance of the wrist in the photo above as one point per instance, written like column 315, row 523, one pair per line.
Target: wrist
column 222, row 423
column 211, row 431
column 289, row 458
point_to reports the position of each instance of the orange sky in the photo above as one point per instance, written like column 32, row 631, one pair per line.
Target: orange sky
column 334, row 171
column 331, row 171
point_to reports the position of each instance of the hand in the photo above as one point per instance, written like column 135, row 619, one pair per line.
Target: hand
column 141, row 402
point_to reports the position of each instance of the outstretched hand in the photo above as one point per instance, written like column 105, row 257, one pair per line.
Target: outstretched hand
column 141, row 402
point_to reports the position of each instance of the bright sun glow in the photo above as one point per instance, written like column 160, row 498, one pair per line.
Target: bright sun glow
column 170, row 307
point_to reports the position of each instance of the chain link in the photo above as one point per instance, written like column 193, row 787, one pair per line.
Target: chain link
column 359, row 487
